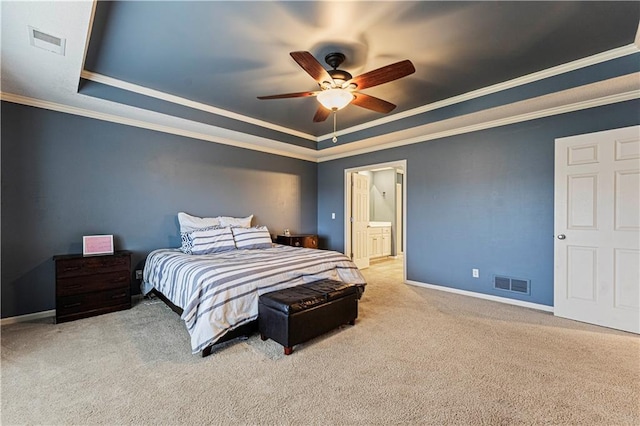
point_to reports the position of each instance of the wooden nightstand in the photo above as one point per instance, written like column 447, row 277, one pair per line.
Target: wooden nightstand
column 306, row 240
column 89, row 286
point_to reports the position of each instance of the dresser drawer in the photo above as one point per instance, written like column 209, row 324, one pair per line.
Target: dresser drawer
column 90, row 304
column 87, row 284
column 78, row 266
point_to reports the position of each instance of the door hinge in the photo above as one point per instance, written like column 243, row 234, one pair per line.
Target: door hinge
column 351, row 219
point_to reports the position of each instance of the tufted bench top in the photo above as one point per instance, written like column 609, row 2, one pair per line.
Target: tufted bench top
column 306, row 296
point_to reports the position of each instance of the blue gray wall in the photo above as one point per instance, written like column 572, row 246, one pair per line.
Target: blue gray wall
column 480, row 200
column 65, row 176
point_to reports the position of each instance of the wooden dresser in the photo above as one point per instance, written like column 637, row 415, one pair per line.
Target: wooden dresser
column 89, row 286
column 306, row 240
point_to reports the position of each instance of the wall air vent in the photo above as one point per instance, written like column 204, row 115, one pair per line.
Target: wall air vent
column 515, row 285
column 46, row 41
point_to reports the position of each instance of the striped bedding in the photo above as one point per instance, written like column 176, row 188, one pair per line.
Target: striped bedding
column 219, row 292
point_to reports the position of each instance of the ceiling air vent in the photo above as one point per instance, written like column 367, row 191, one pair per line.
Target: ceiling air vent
column 515, row 285
column 46, row 41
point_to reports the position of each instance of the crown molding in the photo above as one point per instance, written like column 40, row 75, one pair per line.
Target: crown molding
column 141, row 90
column 482, row 120
column 254, row 143
column 87, row 38
column 606, row 92
column 530, row 78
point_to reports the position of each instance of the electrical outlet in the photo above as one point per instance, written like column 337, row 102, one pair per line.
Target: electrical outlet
column 475, row 273
column 138, row 274
column 333, row 215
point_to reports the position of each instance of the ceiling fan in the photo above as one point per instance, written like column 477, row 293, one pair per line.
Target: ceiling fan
column 338, row 88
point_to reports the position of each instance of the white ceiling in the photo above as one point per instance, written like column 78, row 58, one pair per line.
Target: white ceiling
column 33, row 76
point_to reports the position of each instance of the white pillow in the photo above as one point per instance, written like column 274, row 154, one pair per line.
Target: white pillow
column 215, row 240
column 187, row 239
column 252, row 238
column 191, row 223
column 235, row 222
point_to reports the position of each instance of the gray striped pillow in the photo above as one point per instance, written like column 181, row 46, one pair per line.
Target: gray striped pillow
column 257, row 237
column 211, row 240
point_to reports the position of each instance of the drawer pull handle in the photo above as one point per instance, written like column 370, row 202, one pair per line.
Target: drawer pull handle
column 118, row 296
column 73, row 286
column 72, row 268
column 72, row 305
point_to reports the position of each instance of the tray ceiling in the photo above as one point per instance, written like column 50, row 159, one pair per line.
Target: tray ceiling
column 207, row 61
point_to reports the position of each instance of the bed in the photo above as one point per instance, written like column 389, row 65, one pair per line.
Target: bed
column 218, row 293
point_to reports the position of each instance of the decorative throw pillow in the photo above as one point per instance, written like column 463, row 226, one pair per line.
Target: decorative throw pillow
column 252, row 238
column 191, row 223
column 211, row 240
column 187, row 243
column 236, row 222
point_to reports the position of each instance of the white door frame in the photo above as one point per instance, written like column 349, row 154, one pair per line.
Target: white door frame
column 347, row 206
column 399, row 223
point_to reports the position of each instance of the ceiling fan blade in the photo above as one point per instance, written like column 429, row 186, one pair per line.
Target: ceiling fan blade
column 289, row 95
column 321, row 114
column 372, row 103
column 383, row 75
column 311, row 66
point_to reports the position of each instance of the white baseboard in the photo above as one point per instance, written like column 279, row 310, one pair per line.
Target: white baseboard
column 45, row 314
column 484, row 296
column 28, row 317
column 52, row 313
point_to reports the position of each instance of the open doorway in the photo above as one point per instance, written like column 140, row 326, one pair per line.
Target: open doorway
column 375, row 213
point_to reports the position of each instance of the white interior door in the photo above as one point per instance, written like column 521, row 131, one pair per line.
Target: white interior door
column 360, row 222
column 398, row 236
column 597, row 228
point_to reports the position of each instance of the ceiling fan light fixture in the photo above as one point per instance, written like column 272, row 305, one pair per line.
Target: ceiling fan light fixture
column 335, row 99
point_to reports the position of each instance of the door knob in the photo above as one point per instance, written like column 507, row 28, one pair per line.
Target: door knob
column 562, row 237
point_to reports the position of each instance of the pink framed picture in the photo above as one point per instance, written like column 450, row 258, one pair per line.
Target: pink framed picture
column 93, row 245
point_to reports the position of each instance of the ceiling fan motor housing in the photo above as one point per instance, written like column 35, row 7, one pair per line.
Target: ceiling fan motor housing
column 340, row 75
column 334, row 60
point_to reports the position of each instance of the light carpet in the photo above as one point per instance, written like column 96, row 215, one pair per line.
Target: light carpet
column 415, row 356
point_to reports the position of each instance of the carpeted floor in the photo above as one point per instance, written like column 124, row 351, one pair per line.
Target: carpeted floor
column 415, row 356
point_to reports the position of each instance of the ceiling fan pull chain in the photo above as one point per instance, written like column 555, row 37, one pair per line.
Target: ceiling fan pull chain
column 335, row 137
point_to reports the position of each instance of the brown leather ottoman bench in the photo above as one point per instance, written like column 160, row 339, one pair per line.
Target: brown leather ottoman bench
column 297, row 314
